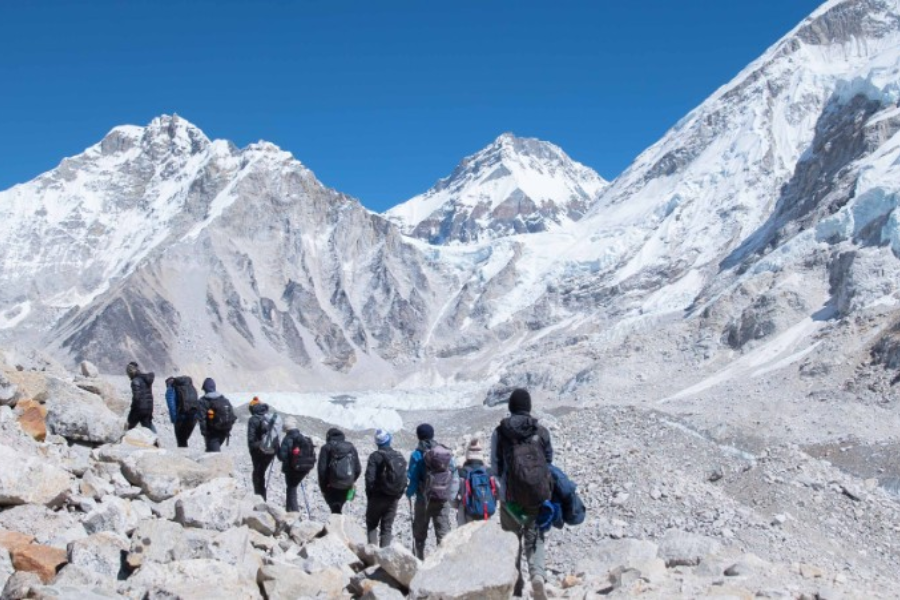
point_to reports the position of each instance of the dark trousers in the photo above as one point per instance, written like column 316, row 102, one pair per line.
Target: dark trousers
column 184, row 427
column 261, row 462
column 292, row 481
column 381, row 510
column 437, row 513
column 142, row 418
column 214, row 441
column 335, row 499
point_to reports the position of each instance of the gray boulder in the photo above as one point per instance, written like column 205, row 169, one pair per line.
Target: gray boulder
column 287, row 582
column 687, row 549
column 89, row 369
column 303, row 532
column 29, row 480
column 101, row 553
column 198, row 578
column 330, row 551
column 217, row 505
column 160, row 541
column 80, row 416
column 609, row 554
column 261, row 522
column 112, row 514
column 8, row 391
column 381, row 591
column 459, row 553
column 161, row 474
column 6, row 567
column 398, row 562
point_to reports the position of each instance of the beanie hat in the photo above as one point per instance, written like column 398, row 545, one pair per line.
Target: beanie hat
column 382, row 438
column 520, row 401
column 290, row 423
column 209, row 385
column 131, row 369
column 474, row 451
column 255, row 401
column 425, row 432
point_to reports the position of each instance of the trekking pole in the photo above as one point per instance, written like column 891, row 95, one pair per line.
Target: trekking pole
column 269, row 476
column 412, row 532
column 306, row 500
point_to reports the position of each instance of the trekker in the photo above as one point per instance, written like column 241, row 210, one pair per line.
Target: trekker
column 521, row 454
column 141, row 412
column 338, row 469
column 433, row 480
column 477, row 496
column 217, row 416
column 298, row 456
column 262, row 441
column 385, row 484
column 184, row 407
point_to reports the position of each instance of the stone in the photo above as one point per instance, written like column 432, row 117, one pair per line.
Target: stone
column 609, row 554
column 80, row 416
column 346, row 529
column 808, row 571
column 687, row 549
column 107, row 392
column 747, row 565
column 234, row 548
column 261, row 522
column 89, row 369
column 361, row 582
column 6, row 566
column 380, row 591
column 26, row 479
column 287, row 582
column 20, row 585
column 94, row 486
column 214, row 505
column 79, row 576
column 160, row 541
column 41, row 560
column 570, row 581
column 14, row 540
column 161, row 474
column 46, row 526
column 303, row 532
column 398, row 562
column 197, row 578
column 9, row 391
column 140, row 437
column 330, row 551
column 32, row 419
column 112, row 514
column 101, row 552
column 487, row 579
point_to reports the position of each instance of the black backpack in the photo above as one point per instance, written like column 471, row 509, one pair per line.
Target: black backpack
column 341, row 471
column 220, row 415
column 303, row 455
column 528, row 473
column 392, row 478
column 186, row 401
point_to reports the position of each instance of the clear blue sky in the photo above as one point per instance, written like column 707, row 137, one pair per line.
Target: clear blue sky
column 380, row 97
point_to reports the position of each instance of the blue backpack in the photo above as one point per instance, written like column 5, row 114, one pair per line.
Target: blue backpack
column 481, row 494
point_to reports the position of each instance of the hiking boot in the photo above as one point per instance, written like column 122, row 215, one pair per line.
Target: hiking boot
column 537, row 588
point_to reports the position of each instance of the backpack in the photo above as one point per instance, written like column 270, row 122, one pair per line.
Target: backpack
column 303, row 455
column 480, row 499
column 438, row 477
column 392, row 478
column 528, row 475
column 186, row 400
column 271, row 425
column 341, row 472
column 220, row 415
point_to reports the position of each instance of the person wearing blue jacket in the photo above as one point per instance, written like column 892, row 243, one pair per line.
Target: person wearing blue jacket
column 429, row 507
column 183, row 418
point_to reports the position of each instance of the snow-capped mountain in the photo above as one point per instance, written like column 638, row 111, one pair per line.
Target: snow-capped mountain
column 759, row 233
column 514, row 185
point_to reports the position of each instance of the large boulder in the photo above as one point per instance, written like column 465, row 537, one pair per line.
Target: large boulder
column 330, row 551
column 112, row 514
column 52, row 527
column 28, row 480
column 32, row 419
column 460, row 552
column 680, row 548
column 232, row 547
column 43, row 561
column 609, row 554
column 6, row 566
column 80, row 416
column 217, row 505
column 398, row 562
column 88, row 369
column 198, row 578
column 287, row 582
column 162, row 474
column 160, row 541
column 346, row 529
column 101, row 553
column 9, row 391
column 107, row 392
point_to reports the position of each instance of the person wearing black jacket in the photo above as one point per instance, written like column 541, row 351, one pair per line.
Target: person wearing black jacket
column 214, row 439
column 335, row 448
column 141, row 412
column 381, row 508
column 292, row 477
column 521, row 520
column 256, row 430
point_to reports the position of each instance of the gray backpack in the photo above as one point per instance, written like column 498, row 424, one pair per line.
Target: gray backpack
column 438, row 476
column 272, row 426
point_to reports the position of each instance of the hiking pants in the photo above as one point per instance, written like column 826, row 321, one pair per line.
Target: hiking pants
column 292, row 481
column 214, row 441
column 425, row 512
column 531, row 539
column 335, row 499
column 381, row 509
column 184, row 427
column 144, row 419
column 261, row 462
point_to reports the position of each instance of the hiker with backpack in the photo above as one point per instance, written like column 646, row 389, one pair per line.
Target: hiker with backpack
column 217, row 416
column 385, row 484
column 338, row 470
column 434, row 481
column 521, row 454
column 298, row 457
column 477, row 496
column 184, row 407
column 263, row 431
column 141, row 412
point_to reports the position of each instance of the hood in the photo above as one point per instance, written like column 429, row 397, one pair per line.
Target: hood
column 518, row 427
column 257, row 409
column 334, row 435
column 212, row 395
column 425, row 445
column 147, row 377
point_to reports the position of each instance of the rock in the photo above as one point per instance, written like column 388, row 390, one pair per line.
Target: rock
column 361, row 582
column 214, row 505
column 32, row 419
column 80, row 416
column 346, row 529
column 285, row 582
column 20, row 585
column 8, row 391
column 682, row 548
column 398, row 562
column 609, row 554
column 330, row 551
column 6, row 566
column 262, row 542
column 747, row 565
column 303, row 532
column 198, row 578
column 107, row 393
column 234, row 548
column 83, row 577
column 13, row 540
column 46, row 526
column 28, row 480
column 112, row 514
column 261, row 522
column 89, row 369
column 486, row 579
column 217, row 464
column 159, row 541
column 161, row 474
column 41, row 560
column 101, row 552
column 140, row 437
column 808, row 571
column 779, row 520
column 94, row 486
column 380, row 591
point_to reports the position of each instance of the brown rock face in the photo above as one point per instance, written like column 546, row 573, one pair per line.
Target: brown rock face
column 44, row 561
column 33, row 419
column 13, row 540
